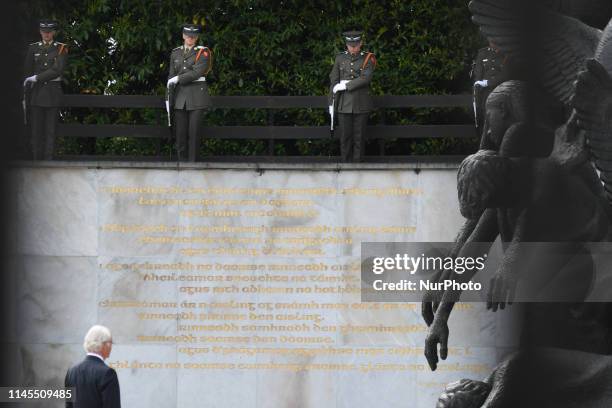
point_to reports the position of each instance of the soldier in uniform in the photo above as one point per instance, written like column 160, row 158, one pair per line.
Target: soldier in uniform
column 489, row 69
column 189, row 65
column 44, row 64
column 349, row 94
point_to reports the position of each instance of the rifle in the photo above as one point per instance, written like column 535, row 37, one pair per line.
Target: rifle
column 331, row 124
column 474, row 104
column 24, row 103
column 169, row 97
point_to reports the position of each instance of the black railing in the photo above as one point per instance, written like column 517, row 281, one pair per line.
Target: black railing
column 270, row 132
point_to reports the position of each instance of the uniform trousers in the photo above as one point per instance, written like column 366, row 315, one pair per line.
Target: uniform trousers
column 480, row 100
column 187, row 128
column 43, row 122
column 352, row 127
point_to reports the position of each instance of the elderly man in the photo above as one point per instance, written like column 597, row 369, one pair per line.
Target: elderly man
column 96, row 383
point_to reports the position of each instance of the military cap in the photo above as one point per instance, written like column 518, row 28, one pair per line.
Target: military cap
column 47, row 25
column 352, row 37
column 192, row 29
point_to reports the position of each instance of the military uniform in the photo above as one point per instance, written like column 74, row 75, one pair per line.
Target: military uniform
column 354, row 103
column 45, row 62
column 190, row 95
column 490, row 67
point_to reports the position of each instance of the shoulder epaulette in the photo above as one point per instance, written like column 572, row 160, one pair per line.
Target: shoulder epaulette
column 36, row 43
column 199, row 47
column 177, row 48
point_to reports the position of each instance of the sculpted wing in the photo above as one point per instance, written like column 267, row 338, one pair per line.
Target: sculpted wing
column 593, row 104
column 595, row 13
column 564, row 43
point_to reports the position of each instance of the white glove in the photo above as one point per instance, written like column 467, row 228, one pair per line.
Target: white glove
column 173, row 80
column 345, row 81
column 331, row 110
column 30, row 79
column 484, row 83
column 339, row 87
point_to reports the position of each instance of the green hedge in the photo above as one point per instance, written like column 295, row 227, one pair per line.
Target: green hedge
column 264, row 48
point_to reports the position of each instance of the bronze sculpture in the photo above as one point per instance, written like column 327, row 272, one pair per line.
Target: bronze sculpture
column 514, row 190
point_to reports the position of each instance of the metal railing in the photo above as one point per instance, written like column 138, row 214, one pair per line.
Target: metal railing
column 270, row 132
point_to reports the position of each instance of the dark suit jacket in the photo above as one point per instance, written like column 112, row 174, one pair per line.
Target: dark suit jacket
column 96, row 385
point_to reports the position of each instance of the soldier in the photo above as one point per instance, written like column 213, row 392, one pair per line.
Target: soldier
column 489, row 69
column 350, row 94
column 189, row 65
column 44, row 64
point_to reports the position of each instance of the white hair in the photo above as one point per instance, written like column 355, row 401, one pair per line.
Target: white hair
column 95, row 337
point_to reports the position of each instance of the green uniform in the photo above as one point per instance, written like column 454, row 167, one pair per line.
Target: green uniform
column 47, row 62
column 490, row 65
column 355, row 103
column 190, row 96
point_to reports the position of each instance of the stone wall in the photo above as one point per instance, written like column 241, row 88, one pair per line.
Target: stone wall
column 149, row 252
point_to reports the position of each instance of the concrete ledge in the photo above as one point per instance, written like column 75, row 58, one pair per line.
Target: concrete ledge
column 412, row 165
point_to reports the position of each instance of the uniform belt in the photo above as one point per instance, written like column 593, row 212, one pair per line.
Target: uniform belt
column 200, row 79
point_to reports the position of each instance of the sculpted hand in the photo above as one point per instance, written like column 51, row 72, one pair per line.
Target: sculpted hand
column 30, row 79
column 437, row 334
column 173, row 80
column 501, row 289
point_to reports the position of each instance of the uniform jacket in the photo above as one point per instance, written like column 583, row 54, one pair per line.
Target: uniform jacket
column 189, row 66
column 490, row 65
column 47, row 62
column 496, row 68
column 355, row 68
column 96, row 385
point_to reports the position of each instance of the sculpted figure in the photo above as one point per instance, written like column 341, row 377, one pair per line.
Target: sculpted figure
column 524, row 200
column 558, row 200
column 506, row 121
column 539, row 378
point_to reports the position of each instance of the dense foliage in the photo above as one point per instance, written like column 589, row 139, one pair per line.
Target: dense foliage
column 263, row 47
